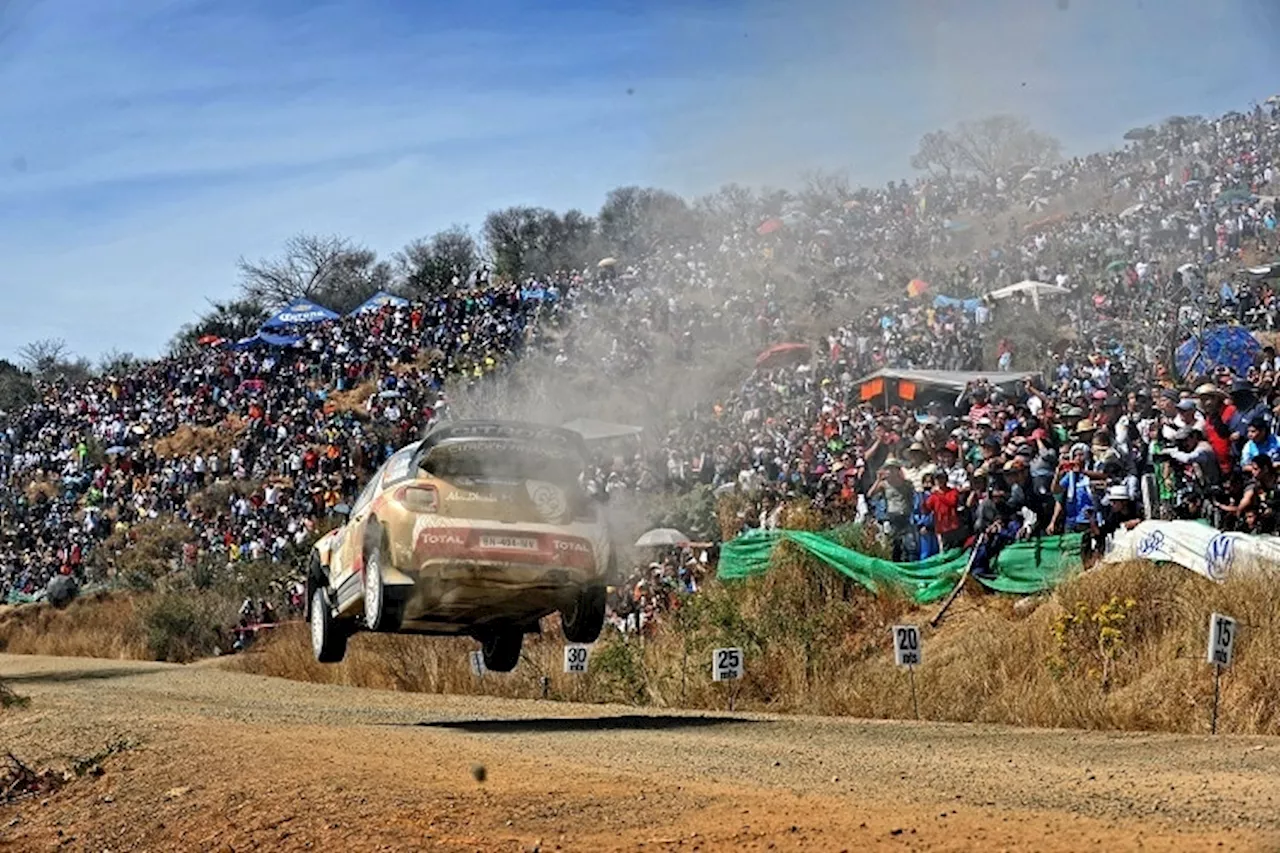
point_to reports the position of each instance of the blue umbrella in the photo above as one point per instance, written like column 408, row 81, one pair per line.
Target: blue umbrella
column 1227, row 346
column 117, row 450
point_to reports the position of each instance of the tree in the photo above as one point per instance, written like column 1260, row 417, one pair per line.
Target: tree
column 16, row 388
column 50, row 359
column 330, row 270
column 117, row 363
column 823, row 191
column 635, row 219
column 989, row 147
column 232, row 320
column 534, row 240
column 936, row 154
column 732, row 206
column 429, row 267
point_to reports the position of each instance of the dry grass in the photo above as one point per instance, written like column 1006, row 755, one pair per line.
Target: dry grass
column 1121, row 647
column 101, row 626
column 340, row 402
column 187, row 440
column 819, row 647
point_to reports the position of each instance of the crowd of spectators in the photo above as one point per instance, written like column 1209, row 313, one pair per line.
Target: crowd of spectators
column 1154, row 254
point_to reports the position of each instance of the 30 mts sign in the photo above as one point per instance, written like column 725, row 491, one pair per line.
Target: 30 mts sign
column 1222, row 639
column 727, row 664
column 576, row 657
column 907, row 649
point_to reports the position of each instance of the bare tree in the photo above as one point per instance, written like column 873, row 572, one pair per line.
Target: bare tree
column 16, row 387
column 117, row 363
column 989, row 147
column 634, row 219
column 50, row 359
column 43, row 356
column 331, row 270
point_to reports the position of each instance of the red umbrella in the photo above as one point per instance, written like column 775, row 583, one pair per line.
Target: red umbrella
column 209, row 340
column 781, row 354
column 769, row 226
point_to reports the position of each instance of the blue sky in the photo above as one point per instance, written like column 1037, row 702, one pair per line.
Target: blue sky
column 146, row 144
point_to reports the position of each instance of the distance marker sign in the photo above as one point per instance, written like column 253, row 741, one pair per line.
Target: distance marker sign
column 727, row 664
column 575, row 658
column 906, row 645
column 1222, row 639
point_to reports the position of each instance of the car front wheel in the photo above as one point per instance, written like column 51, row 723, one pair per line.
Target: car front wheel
column 501, row 649
column 328, row 635
column 582, row 621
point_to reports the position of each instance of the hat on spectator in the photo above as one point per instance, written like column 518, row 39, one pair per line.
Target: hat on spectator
column 950, row 446
column 1187, row 405
column 1208, row 389
column 1084, row 426
column 916, row 447
column 1242, row 386
column 892, row 462
column 1170, row 394
column 1117, row 493
column 1112, row 402
column 1073, row 412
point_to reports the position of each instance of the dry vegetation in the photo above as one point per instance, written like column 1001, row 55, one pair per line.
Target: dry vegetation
column 1121, row 647
column 102, row 626
column 1118, row 648
column 187, row 440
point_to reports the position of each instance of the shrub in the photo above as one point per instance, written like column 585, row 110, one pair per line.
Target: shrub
column 182, row 625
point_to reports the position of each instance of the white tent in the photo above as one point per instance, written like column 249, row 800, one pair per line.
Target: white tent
column 1035, row 288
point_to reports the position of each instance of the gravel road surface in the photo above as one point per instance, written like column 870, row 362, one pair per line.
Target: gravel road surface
column 216, row 760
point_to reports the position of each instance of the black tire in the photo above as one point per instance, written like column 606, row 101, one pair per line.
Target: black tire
column 583, row 620
column 380, row 613
column 328, row 635
column 501, row 649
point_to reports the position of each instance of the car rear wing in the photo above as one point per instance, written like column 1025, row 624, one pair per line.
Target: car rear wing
column 470, row 438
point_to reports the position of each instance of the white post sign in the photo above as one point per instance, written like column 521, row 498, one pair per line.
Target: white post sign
column 575, row 658
column 1222, row 639
column 906, row 645
column 727, row 664
column 477, row 664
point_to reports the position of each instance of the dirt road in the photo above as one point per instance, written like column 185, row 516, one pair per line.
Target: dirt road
column 223, row 761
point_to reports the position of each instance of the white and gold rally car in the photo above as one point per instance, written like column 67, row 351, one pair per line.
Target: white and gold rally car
column 482, row 528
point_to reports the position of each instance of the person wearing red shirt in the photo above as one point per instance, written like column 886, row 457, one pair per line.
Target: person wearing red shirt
column 942, row 503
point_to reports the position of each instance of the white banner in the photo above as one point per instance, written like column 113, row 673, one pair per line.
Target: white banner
column 1203, row 549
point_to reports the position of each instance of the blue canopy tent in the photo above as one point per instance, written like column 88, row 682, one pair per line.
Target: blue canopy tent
column 1228, row 346
column 380, row 300
column 301, row 311
column 267, row 339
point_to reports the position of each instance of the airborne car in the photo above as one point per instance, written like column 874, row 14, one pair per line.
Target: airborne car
column 480, row 529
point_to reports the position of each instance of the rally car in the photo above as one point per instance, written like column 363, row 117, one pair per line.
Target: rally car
column 480, row 529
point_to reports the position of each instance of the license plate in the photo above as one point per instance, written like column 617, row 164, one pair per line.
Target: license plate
column 509, row 543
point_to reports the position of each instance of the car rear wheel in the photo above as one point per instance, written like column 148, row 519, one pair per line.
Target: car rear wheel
column 328, row 635
column 380, row 613
column 501, row 649
column 584, row 618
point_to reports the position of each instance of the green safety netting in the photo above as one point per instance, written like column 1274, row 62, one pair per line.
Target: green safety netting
column 1023, row 568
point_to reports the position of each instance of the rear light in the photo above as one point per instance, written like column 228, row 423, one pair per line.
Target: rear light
column 419, row 498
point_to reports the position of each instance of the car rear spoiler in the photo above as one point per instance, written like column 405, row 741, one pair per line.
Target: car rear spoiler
column 549, row 437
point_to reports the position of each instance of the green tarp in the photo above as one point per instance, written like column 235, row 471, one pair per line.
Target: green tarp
column 1023, row 568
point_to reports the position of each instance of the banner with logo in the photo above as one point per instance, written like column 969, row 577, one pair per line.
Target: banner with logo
column 1194, row 545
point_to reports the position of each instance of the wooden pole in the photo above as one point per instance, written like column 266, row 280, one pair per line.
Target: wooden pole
column 960, row 584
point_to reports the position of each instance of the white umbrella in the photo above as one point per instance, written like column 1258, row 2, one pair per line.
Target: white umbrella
column 607, row 262
column 1131, row 210
column 662, row 537
column 1274, row 99
column 1038, row 203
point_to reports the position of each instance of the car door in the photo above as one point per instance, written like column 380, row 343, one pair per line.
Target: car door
column 347, row 552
